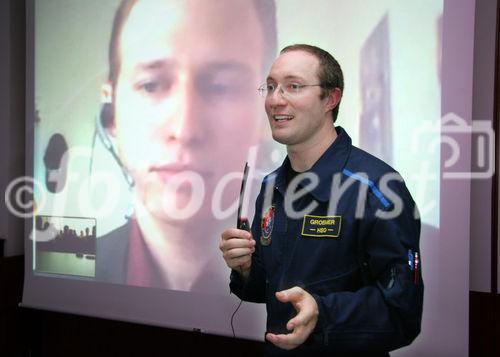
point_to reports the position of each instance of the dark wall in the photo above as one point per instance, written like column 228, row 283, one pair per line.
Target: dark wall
column 11, row 320
column 484, row 324
column 27, row 332
column 12, row 114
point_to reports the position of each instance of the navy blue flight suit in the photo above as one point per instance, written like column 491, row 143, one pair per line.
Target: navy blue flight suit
column 363, row 269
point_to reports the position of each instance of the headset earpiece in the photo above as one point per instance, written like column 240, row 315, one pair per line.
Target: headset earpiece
column 107, row 115
column 104, row 122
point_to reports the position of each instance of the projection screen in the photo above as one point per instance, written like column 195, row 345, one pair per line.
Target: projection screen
column 169, row 93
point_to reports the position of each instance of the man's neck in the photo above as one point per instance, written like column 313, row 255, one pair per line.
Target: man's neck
column 304, row 155
column 181, row 253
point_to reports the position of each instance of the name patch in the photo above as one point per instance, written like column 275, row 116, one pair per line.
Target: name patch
column 321, row 226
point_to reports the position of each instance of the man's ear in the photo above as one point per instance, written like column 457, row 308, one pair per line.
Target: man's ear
column 333, row 99
column 106, row 93
column 107, row 108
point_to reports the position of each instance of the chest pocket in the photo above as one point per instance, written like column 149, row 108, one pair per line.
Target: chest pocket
column 325, row 248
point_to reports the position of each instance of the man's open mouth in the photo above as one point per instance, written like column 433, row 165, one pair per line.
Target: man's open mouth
column 282, row 117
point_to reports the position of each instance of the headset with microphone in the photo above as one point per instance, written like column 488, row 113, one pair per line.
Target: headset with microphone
column 104, row 121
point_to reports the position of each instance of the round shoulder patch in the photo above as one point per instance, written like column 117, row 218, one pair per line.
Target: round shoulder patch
column 267, row 225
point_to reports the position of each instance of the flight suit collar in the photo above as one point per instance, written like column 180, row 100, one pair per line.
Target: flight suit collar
column 332, row 161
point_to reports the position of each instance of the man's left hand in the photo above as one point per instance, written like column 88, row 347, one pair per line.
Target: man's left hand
column 303, row 324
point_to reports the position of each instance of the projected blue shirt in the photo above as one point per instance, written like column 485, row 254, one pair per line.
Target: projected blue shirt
column 353, row 261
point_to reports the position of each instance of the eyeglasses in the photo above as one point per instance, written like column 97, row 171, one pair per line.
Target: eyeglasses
column 290, row 89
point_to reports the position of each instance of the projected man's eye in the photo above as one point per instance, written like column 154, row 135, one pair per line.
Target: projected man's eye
column 220, row 88
column 153, row 87
column 227, row 84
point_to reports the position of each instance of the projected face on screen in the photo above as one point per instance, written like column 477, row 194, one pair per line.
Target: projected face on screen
column 185, row 114
column 184, row 96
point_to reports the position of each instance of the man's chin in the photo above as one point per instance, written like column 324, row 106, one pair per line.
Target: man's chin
column 181, row 215
column 282, row 139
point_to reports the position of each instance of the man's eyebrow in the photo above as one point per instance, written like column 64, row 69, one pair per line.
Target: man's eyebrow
column 228, row 66
column 287, row 77
column 155, row 64
column 214, row 67
column 292, row 76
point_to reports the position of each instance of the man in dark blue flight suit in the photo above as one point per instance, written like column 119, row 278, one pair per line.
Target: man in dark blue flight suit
column 334, row 246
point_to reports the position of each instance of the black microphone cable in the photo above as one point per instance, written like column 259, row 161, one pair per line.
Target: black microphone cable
column 99, row 131
column 232, row 317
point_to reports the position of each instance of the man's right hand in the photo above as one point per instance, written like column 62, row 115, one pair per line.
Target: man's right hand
column 237, row 246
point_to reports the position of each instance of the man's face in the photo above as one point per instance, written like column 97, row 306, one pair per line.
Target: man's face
column 300, row 118
column 185, row 98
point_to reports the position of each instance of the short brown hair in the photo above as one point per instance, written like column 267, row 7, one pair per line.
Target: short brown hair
column 329, row 73
column 266, row 15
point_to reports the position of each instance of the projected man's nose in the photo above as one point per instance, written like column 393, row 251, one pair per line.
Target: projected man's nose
column 187, row 124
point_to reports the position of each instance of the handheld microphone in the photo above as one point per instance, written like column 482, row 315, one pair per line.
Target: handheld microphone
column 242, row 222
